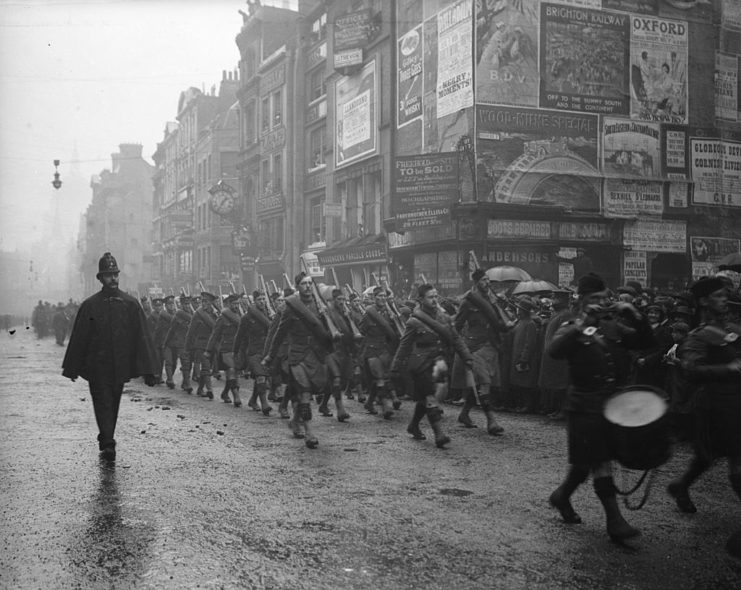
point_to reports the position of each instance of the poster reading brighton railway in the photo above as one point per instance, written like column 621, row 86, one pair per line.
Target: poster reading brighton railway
column 538, row 156
column 630, row 148
column 507, row 53
column 716, row 172
column 658, row 69
column 584, row 59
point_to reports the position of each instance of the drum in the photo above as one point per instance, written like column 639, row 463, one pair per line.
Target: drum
column 639, row 427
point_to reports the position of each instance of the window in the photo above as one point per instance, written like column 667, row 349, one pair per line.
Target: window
column 317, row 226
column 265, row 179
column 265, row 115
column 371, row 217
column 317, row 84
column 278, row 173
column 316, row 147
column 271, row 237
column 277, row 108
column 185, row 262
column 319, row 28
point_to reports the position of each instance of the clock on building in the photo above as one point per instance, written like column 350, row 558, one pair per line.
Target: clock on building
column 223, row 199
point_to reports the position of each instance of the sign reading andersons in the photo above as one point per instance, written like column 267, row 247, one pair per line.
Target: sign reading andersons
column 424, row 187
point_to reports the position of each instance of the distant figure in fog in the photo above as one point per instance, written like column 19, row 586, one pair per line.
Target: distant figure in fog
column 109, row 345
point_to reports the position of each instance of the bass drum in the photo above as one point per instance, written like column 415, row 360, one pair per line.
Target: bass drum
column 639, row 427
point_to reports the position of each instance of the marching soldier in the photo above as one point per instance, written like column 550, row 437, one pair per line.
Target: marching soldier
column 309, row 344
column 196, row 340
column 279, row 365
column 429, row 339
column 249, row 344
column 175, row 344
column 481, row 323
column 161, row 327
column 379, row 345
column 220, row 347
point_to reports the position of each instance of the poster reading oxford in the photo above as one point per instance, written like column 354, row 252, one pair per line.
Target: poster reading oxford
column 584, row 59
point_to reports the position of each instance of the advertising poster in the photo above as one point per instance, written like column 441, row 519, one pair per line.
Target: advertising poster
column 633, row 198
column 424, row 188
column 706, row 253
column 356, row 115
column 630, row 148
column 726, row 86
column 634, row 6
column 716, row 171
column 731, row 15
column 584, row 59
column 350, row 37
column 678, row 194
column 507, row 53
column 635, row 267
column 538, row 156
column 658, row 69
column 409, row 68
column 454, row 65
column 675, row 165
column 656, row 236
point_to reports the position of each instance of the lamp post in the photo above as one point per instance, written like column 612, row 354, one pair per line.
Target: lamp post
column 56, row 183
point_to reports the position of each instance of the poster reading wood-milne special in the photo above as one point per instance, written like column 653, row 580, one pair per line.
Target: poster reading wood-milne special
column 584, row 59
column 538, row 156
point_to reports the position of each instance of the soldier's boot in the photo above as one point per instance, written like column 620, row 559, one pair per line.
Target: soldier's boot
column 225, row 392
column 413, row 428
column 201, row 385
column 235, row 393
column 263, row 397
column 209, row 389
column 561, row 496
column 395, row 401
column 295, row 423
column 304, row 411
column 370, row 403
column 464, row 415
column 679, row 489
column 386, row 403
column 186, row 386
column 342, row 413
column 617, row 527
column 252, row 402
column 168, row 377
column 492, row 426
column 283, row 407
column 324, row 405
column 435, row 417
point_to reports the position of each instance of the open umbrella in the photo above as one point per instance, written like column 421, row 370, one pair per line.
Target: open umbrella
column 507, row 273
column 731, row 261
column 533, row 287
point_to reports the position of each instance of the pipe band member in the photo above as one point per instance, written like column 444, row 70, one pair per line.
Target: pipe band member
column 597, row 346
column 428, row 343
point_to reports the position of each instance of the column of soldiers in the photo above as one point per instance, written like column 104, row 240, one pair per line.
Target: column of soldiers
column 564, row 354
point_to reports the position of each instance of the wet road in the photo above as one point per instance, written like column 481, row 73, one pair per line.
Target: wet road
column 204, row 495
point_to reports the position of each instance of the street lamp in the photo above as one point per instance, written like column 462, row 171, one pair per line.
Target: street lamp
column 56, row 183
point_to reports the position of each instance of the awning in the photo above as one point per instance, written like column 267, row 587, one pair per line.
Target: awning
column 357, row 250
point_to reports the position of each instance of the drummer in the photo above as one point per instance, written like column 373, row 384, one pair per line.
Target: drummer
column 711, row 359
column 596, row 344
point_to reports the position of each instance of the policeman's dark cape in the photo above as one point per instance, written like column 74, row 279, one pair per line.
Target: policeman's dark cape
column 311, row 321
column 118, row 350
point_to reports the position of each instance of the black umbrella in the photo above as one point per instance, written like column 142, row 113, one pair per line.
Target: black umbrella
column 731, row 261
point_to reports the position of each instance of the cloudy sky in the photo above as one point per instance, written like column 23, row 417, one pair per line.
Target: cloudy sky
column 90, row 75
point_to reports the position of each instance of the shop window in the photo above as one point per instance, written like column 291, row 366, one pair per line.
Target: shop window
column 316, row 147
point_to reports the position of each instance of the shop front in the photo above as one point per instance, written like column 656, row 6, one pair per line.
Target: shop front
column 354, row 260
column 655, row 254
